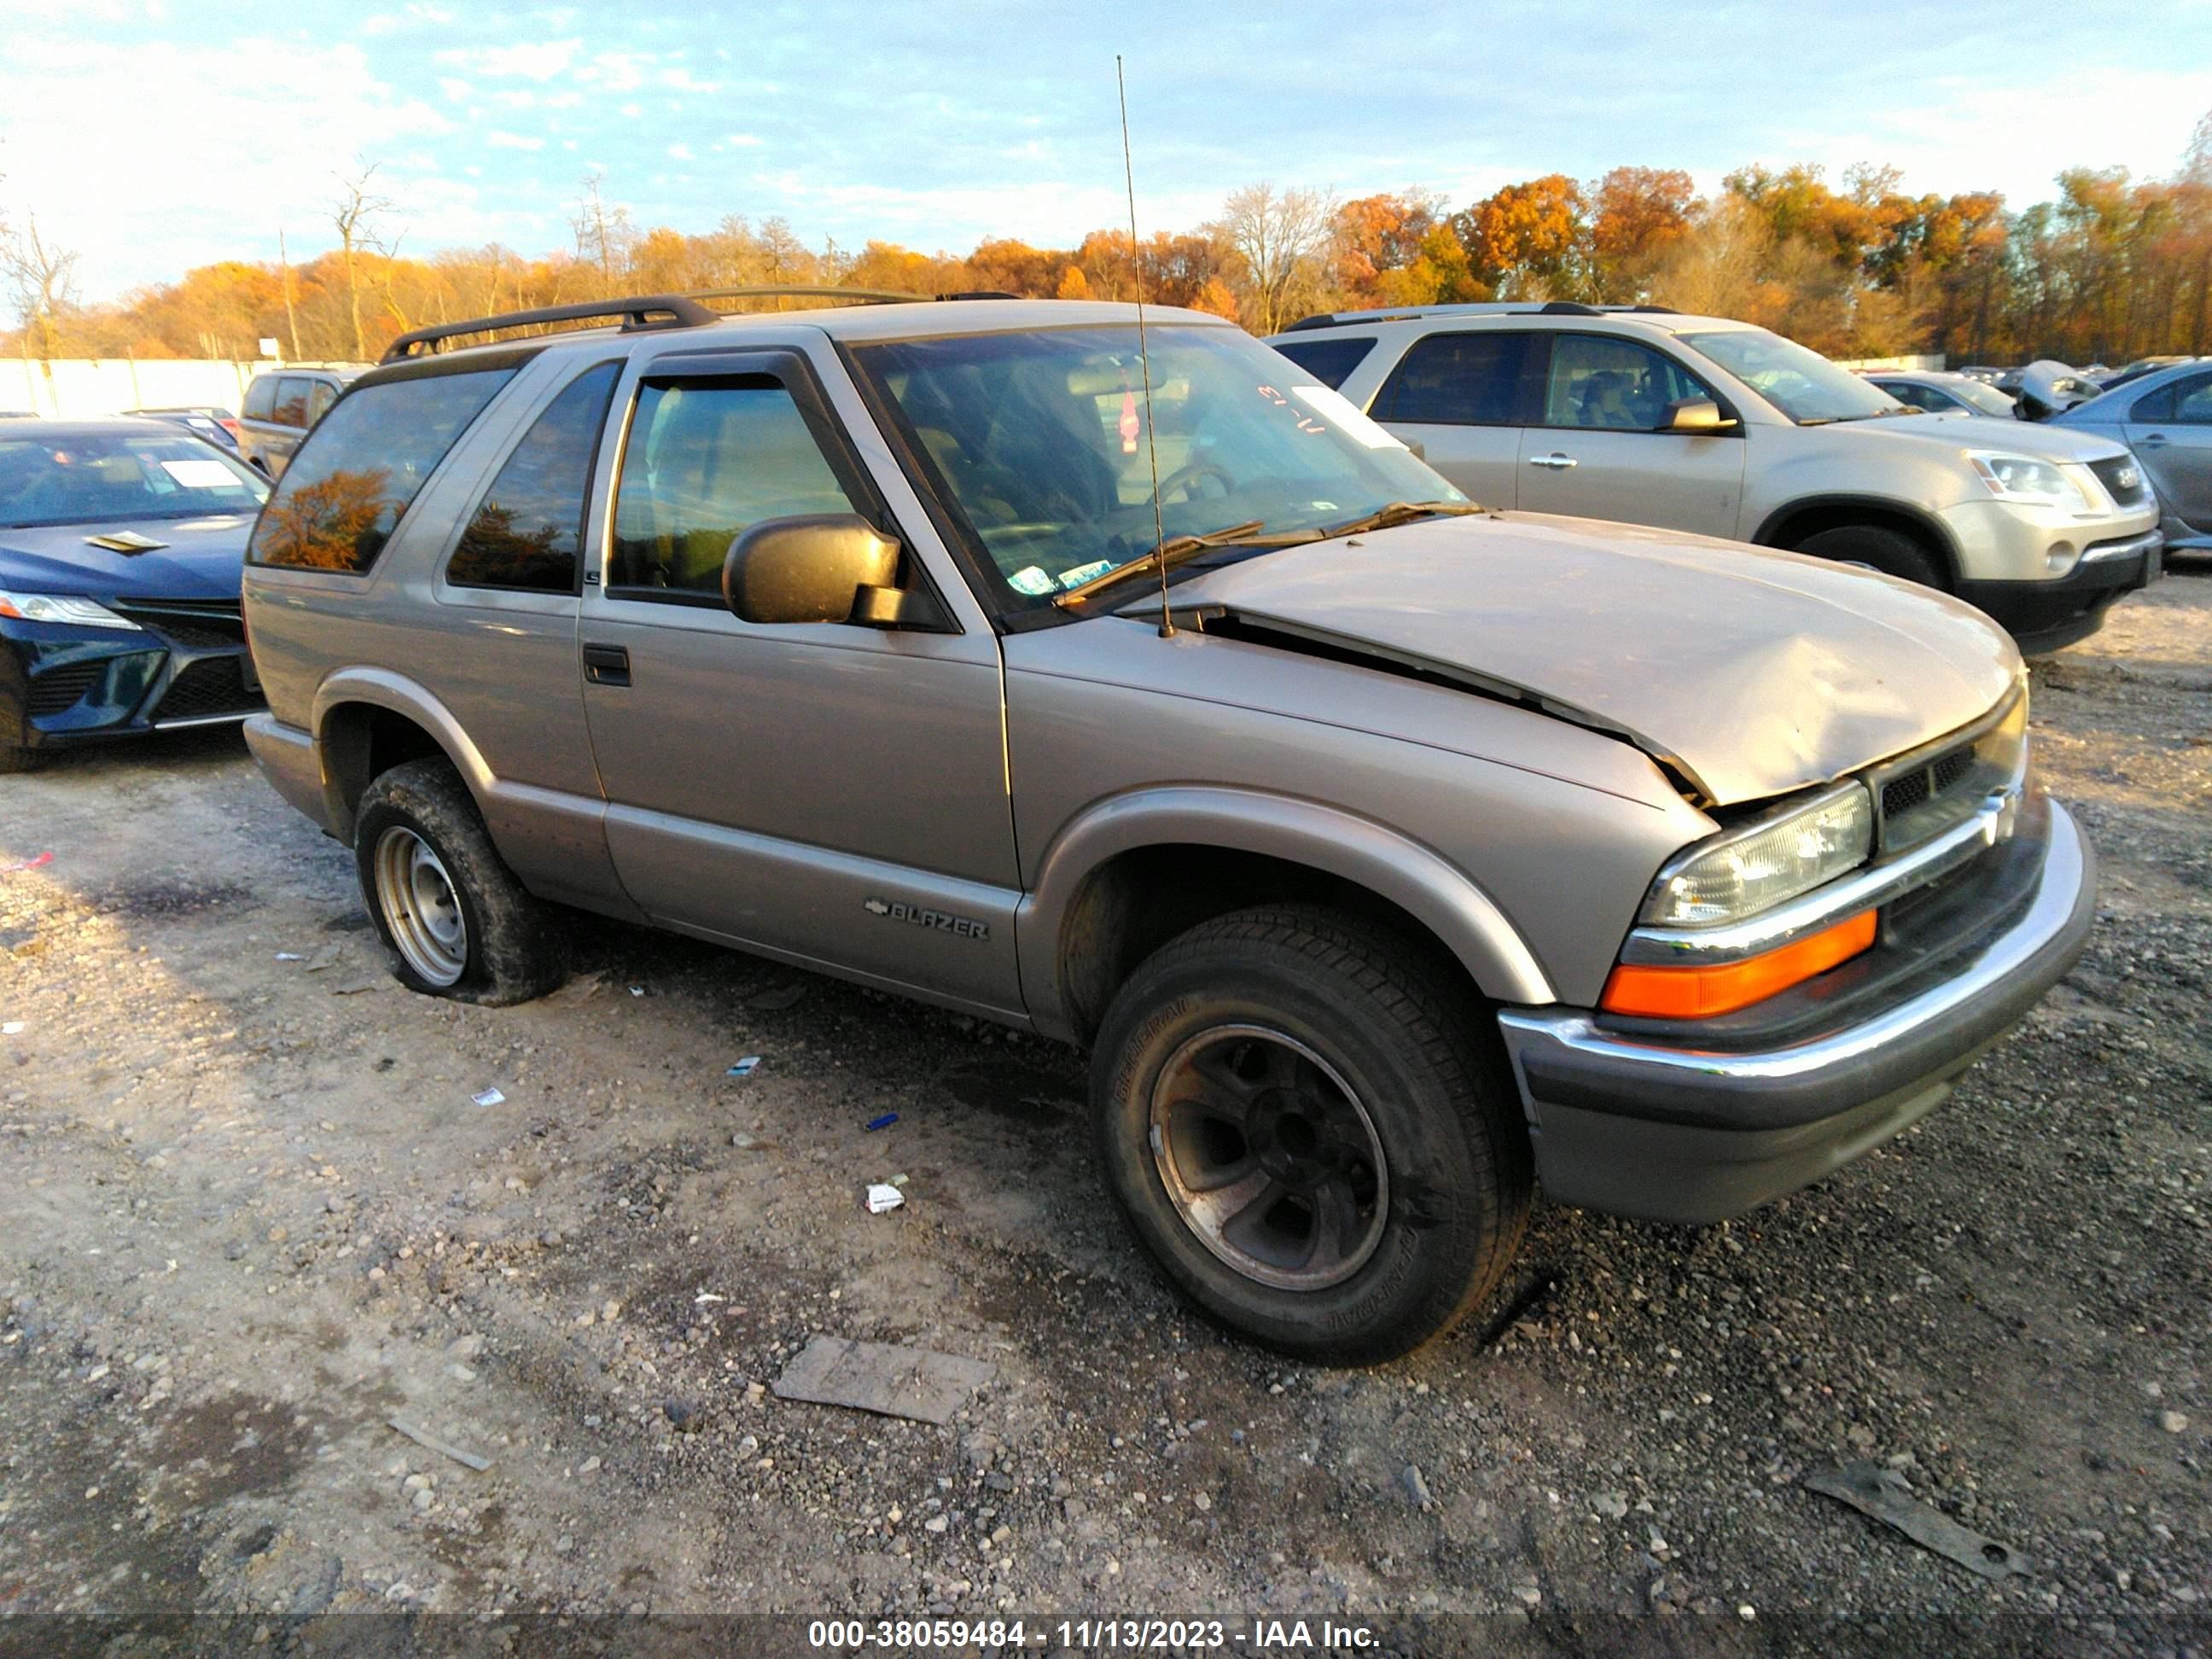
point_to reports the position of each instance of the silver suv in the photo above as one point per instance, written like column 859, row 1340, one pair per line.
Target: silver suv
column 1389, row 854
column 282, row 406
column 1650, row 417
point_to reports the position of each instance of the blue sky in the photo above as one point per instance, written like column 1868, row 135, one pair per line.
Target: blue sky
column 152, row 136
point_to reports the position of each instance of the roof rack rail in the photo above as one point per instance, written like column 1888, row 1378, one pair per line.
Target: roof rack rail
column 678, row 311
column 867, row 296
column 1478, row 309
column 674, row 311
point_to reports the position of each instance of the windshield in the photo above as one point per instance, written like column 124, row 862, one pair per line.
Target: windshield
column 1038, row 438
column 1802, row 384
column 98, row 478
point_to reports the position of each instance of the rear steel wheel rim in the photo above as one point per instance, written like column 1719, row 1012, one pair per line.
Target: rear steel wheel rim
column 1268, row 1158
column 420, row 905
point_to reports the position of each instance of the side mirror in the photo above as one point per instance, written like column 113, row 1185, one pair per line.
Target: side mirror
column 826, row 568
column 1696, row 414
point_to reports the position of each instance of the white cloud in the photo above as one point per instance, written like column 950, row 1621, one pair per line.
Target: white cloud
column 683, row 81
column 680, row 152
column 410, row 17
column 512, row 141
column 89, row 185
column 528, row 60
column 956, row 216
column 1960, row 133
column 742, row 141
column 454, row 87
column 616, row 71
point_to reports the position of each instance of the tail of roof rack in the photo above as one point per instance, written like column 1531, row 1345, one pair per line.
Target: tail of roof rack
column 1484, row 308
column 671, row 311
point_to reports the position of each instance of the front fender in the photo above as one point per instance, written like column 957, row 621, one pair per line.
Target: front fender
column 1443, row 897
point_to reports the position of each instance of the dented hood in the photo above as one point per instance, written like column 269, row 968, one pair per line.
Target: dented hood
column 1752, row 673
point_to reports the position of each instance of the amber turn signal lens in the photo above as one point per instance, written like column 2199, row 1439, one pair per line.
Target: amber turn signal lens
column 1700, row 992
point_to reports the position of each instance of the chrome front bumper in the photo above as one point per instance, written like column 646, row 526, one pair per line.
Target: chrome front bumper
column 1643, row 1127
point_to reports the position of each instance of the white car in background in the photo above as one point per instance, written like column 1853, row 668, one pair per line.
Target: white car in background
column 1940, row 392
column 1652, row 416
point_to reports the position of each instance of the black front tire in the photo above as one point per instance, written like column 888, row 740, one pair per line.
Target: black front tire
column 510, row 949
column 1890, row 551
column 1369, row 1013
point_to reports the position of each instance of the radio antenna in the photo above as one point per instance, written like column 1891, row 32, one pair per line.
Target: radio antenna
column 1144, row 357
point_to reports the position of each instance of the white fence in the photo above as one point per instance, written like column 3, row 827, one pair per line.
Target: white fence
column 79, row 388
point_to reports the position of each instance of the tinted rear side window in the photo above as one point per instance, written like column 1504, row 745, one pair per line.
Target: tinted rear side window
column 291, row 402
column 528, row 532
column 705, row 460
column 1458, row 380
column 342, row 495
column 1329, row 361
column 260, row 398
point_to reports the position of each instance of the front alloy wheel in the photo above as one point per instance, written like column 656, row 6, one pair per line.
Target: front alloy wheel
column 1269, row 1157
column 1307, row 1120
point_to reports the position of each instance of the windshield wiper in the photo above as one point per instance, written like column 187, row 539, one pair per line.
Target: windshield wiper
column 1169, row 554
column 1402, row 513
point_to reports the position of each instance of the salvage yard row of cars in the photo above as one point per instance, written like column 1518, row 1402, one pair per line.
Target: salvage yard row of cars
column 1307, row 731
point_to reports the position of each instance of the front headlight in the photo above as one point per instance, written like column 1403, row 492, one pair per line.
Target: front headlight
column 2024, row 478
column 61, row 608
column 1766, row 862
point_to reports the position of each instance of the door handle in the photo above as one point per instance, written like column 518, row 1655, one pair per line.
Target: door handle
column 2156, row 441
column 1556, row 461
column 606, row 665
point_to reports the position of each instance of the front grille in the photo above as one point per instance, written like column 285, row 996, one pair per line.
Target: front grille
column 2123, row 480
column 215, row 686
column 1923, row 790
column 196, row 624
column 60, row 689
column 1924, row 794
column 1905, row 794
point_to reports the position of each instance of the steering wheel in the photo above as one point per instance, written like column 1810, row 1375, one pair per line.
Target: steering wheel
column 1183, row 477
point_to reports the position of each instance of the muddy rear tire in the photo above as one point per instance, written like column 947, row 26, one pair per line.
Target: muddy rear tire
column 1310, row 1131
column 454, row 918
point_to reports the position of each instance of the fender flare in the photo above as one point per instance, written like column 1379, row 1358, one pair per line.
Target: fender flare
column 382, row 688
column 1437, row 893
column 1937, row 533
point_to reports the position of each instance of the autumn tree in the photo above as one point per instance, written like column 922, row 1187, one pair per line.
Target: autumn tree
column 1398, row 249
column 354, row 215
column 605, row 235
column 1280, row 237
column 40, row 276
column 1640, row 216
column 1530, row 241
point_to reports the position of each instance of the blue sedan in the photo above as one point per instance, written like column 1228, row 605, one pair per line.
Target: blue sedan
column 120, row 546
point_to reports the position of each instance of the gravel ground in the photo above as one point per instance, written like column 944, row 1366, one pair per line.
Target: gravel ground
column 254, row 1213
